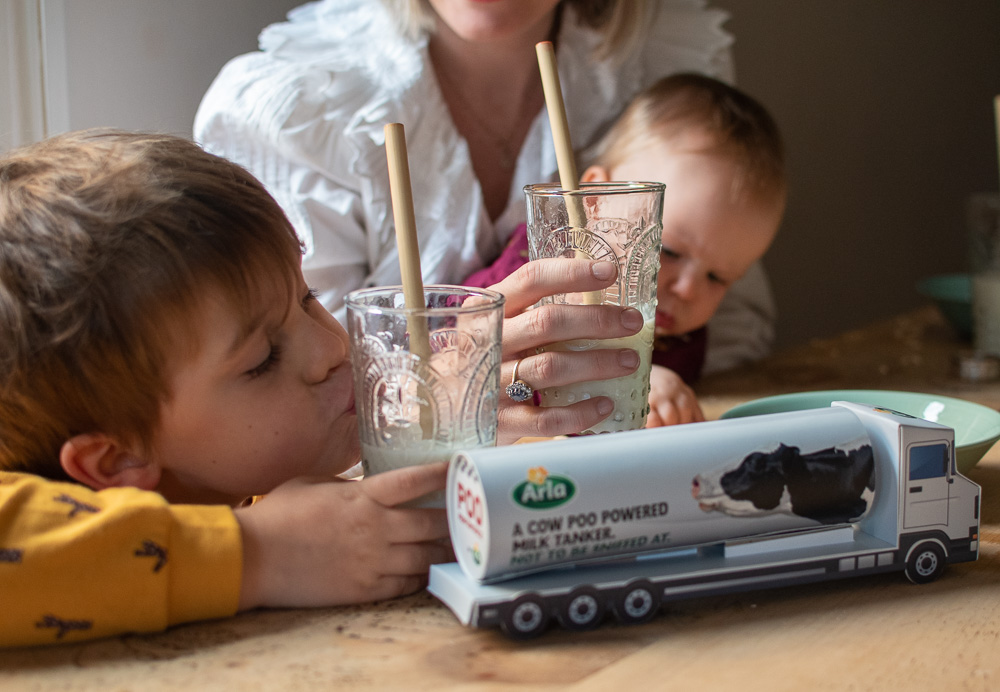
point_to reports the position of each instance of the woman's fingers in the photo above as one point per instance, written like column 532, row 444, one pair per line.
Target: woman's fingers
column 516, row 422
column 560, row 368
column 525, row 330
column 544, row 277
column 551, row 323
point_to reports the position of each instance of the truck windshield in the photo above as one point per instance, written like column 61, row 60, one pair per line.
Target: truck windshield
column 929, row 461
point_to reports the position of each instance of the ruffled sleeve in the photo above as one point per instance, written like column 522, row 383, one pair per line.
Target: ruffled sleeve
column 688, row 36
column 306, row 115
column 677, row 36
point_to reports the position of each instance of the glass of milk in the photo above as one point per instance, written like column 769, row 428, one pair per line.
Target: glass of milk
column 983, row 212
column 426, row 380
column 619, row 222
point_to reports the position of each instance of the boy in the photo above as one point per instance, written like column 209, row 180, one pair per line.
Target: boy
column 721, row 157
column 158, row 336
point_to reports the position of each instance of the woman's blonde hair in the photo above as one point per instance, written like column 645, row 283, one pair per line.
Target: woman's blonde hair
column 619, row 21
column 108, row 243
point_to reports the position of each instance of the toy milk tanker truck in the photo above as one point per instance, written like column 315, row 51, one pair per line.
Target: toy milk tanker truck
column 574, row 529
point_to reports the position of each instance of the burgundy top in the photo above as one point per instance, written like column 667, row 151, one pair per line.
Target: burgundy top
column 684, row 354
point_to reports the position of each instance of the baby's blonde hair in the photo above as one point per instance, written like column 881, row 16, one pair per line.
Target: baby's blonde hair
column 108, row 241
column 737, row 125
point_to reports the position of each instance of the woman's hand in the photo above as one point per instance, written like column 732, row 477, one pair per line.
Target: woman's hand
column 526, row 329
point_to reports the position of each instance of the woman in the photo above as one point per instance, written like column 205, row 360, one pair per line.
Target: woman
column 306, row 115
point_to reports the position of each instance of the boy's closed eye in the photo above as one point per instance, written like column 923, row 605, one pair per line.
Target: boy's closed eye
column 273, row 356
column 270, row 361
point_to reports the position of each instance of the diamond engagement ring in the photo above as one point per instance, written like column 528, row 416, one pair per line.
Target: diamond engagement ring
column 519, row 390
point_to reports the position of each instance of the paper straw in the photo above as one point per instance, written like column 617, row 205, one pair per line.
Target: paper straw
column 409, row 250
column 569, row 179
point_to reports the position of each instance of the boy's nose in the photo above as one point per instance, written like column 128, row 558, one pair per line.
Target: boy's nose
column 328, row 352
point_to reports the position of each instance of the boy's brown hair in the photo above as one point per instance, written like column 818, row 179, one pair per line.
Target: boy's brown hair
column 108, row 241
column 739, row 127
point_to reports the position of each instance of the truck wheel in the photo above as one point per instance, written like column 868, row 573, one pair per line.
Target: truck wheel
column 526, row 617
column 637, row 602
column 926, row 563
column 583, row 609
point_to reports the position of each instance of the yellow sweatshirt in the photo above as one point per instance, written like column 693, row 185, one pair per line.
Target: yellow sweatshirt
column 78, row 564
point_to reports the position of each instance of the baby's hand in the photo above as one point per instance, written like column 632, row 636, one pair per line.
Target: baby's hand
column 331, row 542
column 670, row 400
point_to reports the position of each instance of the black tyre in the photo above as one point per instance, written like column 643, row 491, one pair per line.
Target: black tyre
column 925, row 563
column 583, row 609
column 637, row 602
column 527, row 617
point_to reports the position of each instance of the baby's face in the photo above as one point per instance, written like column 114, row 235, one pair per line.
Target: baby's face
column 709, row 240
column 250, row 410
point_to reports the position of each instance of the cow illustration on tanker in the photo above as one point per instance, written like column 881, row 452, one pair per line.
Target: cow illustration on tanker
column 573, row 530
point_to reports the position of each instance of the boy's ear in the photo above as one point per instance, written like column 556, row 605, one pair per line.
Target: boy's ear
column 100, row 461
column 596, row 174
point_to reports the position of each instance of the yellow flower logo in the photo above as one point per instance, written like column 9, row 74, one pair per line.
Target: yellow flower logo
column 538, row 475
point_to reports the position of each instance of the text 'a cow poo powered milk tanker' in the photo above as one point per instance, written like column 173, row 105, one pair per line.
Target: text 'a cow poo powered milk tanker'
column 552, row 503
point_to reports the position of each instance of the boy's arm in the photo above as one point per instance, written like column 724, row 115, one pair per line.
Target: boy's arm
column 78, row 564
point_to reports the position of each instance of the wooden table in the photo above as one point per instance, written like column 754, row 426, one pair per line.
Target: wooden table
column 855, row 634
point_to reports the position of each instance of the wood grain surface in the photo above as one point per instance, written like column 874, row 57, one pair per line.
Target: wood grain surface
column 865, row 633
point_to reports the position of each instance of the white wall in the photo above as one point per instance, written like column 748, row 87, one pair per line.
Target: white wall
column 133, row 64
column 22, row 116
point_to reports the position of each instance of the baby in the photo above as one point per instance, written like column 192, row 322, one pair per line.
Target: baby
column 720, row 155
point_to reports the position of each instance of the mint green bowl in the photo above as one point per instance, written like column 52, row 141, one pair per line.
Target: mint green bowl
column 976, row 427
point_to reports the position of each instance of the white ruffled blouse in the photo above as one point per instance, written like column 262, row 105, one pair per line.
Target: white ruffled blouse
column 306, row 113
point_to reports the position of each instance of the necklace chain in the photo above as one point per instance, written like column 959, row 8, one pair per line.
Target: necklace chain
column 508, row 154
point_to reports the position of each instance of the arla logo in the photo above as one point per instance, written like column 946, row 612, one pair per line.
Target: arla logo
column 542, row 491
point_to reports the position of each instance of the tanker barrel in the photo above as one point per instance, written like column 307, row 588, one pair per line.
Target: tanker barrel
column 529, row 507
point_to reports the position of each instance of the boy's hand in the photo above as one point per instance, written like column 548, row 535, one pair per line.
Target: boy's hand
column 331, row 542
column 670, row 400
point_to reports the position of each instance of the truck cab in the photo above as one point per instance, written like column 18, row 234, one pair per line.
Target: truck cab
column 936, row 514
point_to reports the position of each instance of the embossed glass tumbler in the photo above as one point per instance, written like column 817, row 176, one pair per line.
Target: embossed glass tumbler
column 620, row 223
column 426, row 381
